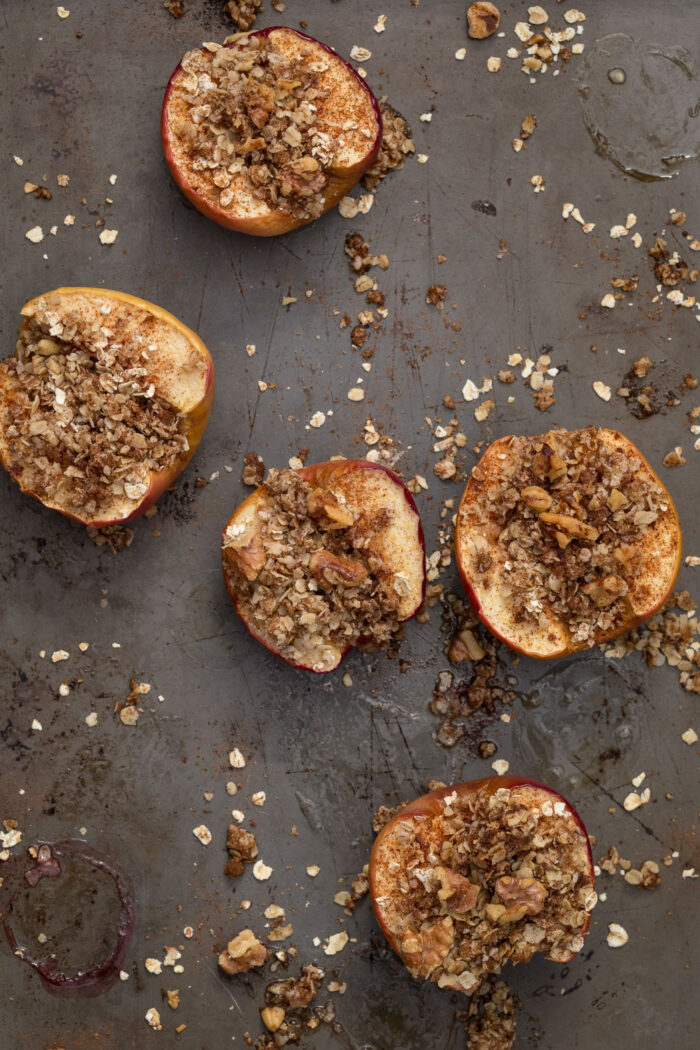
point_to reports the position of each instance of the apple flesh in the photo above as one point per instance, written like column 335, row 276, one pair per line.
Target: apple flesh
column 366, row 497
column 177, row 364
column 347, row 116
column 641, row 568
column 472, row 901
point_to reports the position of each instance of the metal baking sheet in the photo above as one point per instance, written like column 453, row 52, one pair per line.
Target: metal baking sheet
column 82, row 96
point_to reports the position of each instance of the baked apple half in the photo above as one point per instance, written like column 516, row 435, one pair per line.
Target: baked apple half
column 324, row 559
column 471, row 876
column 102, row 404
column 265, row 133
column 566, row 540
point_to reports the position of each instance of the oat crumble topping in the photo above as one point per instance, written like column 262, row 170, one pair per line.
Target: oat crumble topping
column 80, row 417
column 259, row 121
column 397, row 143
column 243, row 12
column 307, row 577
column 492, row 877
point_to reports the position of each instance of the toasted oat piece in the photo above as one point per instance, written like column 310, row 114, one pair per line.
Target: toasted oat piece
column 471, row 876
column 566, row 540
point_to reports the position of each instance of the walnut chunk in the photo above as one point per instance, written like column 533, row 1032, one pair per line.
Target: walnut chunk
column 436, row 295
column 245, row 952
column 249, row 559
column 464, row 646
column 242, row 847
column 457, row 894
column 425, row 949
column 575, row 528
column 519, row 897
column 483, row 19
column 606, row 590
column 537, row 498
column 335, row 570
column 326, row 508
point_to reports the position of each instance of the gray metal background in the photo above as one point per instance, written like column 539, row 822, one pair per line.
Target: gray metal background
column 327, row 755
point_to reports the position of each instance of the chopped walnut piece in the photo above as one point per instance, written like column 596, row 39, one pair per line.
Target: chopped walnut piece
column 436, row 295
column 253, row 470
column 674, row 458
column 245, row 952
column 483, row 19
column 458, row 895
column 296, row 993
column 520, row 897
column 242, row 848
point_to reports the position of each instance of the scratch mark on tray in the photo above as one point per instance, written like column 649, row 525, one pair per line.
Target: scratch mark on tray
column 225, row 986
column 612, row 798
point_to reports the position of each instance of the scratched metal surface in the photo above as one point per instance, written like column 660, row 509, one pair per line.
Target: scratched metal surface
column 327, row 755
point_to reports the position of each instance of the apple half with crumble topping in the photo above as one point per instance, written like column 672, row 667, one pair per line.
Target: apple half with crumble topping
column 102, row 404
column 470, row 877
column 566, row 540
column 324, row 559
column 265, row 133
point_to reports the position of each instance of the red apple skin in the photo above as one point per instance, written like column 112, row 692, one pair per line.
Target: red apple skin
column 324, row 473
column 341, row 180
column 197, row 418
column 430, row 805
column 629, row 625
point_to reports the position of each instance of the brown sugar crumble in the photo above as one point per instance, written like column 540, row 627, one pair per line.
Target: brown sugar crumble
column 562, row 529
column 243, row 12
column 397, row 143
column 308, row 579
column 670, row 637
column 79, row 411
column 245, row 952
column 489, row 877
column 258, row 122
column 242, row 848
column 491, row 1014
column 436, row 295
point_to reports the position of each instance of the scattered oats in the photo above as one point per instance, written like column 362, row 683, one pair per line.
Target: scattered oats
column 250, row 349
column 512, row 52
column 261, row 871
column 59, row 655
column 482, row 411
column 574, row 15
column 617, row 935
column 188, row 932
column 689, row 873
column 36, row 724
column 356, row 393
column 262, row 385
column 273, row 911
column 295, row 463
column 500, row 766
column 538, row 182
column 287, row 300
column 637, row 240
column 153, row 965
column 202, row 833
column 639, row 779
column 336, row 943
column 62, row 12
column 602, row 390
column 236, row 758
column 360, row 54
column 689, row 737
column 423, row 158
column 692, row 561
column 237, row 815
column 634, row 801
column 123, row 975
column 537, row 15
column 245, row 905
column 35, row 235
column 577, row 49
column 63, row 689
column 517, row 145
column 91, row 719
column 171, row 956
column 348, row 207
column 29, row 187
column 631, row 220
column 63, row 179
column 426, row 117
column 461, row 54
column 379, row 26
column 258, row 798
column 53, row 231
column 112, row 179
column 566, row 209
column 618, row 231
column 18, row 160
column 523, row 31
column 318, row 419
column 608, row 300
column 231, row 788
column 313, row 870
column 108, row 236
column 153, row 1018
column 493, row 64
